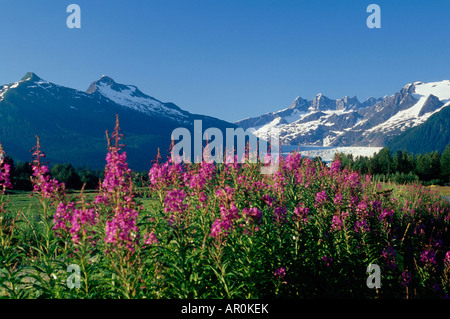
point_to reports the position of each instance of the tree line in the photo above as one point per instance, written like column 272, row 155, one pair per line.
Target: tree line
column 73, row 177
column 402, row 166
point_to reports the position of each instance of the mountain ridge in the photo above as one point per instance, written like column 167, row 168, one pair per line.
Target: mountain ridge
column 322, row 121
column 71, row 123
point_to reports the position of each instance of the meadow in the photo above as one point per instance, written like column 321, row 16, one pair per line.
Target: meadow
column 223, row 231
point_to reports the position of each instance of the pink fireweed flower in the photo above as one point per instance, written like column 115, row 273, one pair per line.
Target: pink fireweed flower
column 268, row 200
column 354, row 200
column 361, row 226
column 321, row 198
column 216, row 228
column 225, row 194
column 150, row 239
column 202, row 198
column 197, row 181
column 42, row 182
column 280, row 273
column 253, row 213
column 279, row 182
column 353, row 180
column 338, row 199
column 386, row 215
column 231, row 213
column 174, row 201
column 116, row 185
column 161, row 175
column 335, row 167
column 301, row 214
column 122, row 229
column 69, row 219
column 5, row 181
column 117, row 173
column 174, row 204
column 428, row 258
column 388, row 254
column 447, row 258
column 293, row 161
column 225, row 223
column 327, row 260
column 337, row 223
column 279, row 214
column 406, row 278
column 377, row 205
column 361, row 209
column 5, row 171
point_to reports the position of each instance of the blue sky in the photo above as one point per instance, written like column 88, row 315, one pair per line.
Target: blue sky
column 230, row 59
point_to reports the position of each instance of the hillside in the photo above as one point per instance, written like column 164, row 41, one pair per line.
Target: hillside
column 71, row 124
column 433, row 135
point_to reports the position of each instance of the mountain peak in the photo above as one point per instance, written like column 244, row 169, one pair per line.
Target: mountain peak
column 103, row 81
column 106, row 79
column 30, row 76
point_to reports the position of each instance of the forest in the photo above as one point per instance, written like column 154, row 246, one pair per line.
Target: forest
column 402, row 166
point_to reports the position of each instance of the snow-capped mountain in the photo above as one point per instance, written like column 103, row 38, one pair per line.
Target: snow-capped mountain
column 71, row 123
column 348, row 122
column 131, row 97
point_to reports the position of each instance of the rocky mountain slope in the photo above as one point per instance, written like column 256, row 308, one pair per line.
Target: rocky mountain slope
column 348, row 122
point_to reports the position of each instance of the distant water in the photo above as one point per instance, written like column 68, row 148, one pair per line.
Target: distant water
column 327, row 153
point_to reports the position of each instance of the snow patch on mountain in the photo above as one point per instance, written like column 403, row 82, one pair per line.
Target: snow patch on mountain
column 411, row 117
column 130, row 97
column 439, row 89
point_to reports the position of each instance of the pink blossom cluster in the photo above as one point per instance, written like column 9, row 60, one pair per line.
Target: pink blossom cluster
column 198, row 179
column 164, row 174
column 228, row 215
column 69, row 219
column 428, row 258
column 117, row 173
column 280, row 272
column 253, row 212
column 122, row 229
column 5, row 170
column 175, row 206
column 43, row 183
column 5, row 181
column 121, row 223
column 116, row 196
column 301, row 214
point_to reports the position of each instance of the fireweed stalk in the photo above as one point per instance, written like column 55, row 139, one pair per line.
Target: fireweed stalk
column 48, row 188
column 5, row 168
column 116, row 197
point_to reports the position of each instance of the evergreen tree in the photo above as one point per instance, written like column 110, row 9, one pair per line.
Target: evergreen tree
column 445, row 164
column 66, row 173
column 385, row 161
column 20, row 175
column 89, row 177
